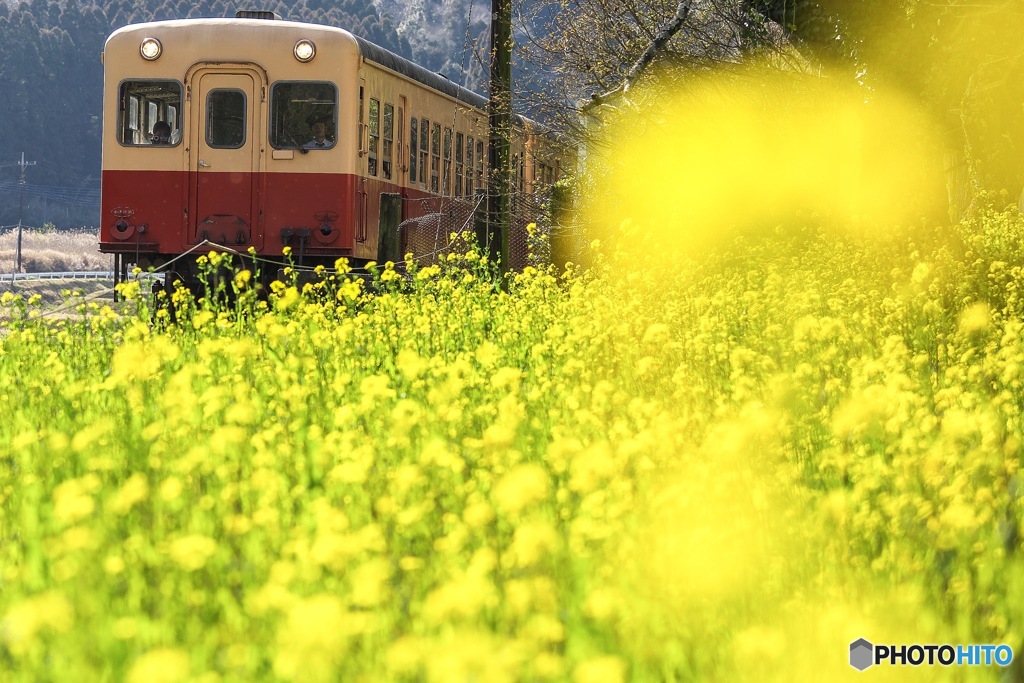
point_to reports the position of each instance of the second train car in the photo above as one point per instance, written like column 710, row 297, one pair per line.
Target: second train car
column 257, row 133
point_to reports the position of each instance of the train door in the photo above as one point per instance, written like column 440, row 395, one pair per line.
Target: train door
column 226, row 111
column 361, row 189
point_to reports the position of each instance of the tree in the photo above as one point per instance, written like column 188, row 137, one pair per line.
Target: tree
column 961, row 61
column 589, row 51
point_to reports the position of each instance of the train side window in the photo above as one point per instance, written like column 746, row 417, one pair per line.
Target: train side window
column 459, row 146
column 144, row 104
column 303, row 114
column 388, row 140
column 225, row 118
column 480, row 163
column 435, row 158
column 413, row 130
column 469, row 167
column 447, row 161
column 424, row 148
column 373, row 123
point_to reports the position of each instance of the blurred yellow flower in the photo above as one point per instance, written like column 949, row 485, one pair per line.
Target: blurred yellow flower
column 133, row 491
column 192, row 552
column 72, row 500
column 162, row 665
column 607, row 669
column 312, row 640
column 523, row 486
column 49, row 611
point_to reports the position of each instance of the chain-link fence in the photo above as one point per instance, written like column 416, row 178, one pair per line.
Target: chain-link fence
column 438, row 223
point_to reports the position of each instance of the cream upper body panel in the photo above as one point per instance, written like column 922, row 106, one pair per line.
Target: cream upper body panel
column 262, row 47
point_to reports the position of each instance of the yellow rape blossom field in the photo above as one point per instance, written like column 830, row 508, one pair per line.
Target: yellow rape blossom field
column 724, row 465
column 719, row 470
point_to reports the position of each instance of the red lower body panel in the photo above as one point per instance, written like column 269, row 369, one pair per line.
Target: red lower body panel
column 158, row 209
column 327, row 215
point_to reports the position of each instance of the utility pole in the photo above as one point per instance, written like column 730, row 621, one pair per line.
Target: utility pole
column 499, row 110
column 21, row 204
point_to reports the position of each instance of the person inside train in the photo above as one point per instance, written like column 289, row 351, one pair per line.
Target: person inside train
column 318, row 129
column 161, row 133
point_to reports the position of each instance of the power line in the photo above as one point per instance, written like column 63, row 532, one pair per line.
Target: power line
column 69, row 195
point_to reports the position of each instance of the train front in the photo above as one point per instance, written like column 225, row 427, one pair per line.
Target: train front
column 228, row 134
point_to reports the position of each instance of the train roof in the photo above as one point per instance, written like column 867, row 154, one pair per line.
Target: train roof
column 389, row 60
column 370, row 52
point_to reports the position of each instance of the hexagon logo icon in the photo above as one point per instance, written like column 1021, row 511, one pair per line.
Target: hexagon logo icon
column 861, row 654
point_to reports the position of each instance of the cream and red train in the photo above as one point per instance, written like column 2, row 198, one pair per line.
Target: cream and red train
column 211, row 134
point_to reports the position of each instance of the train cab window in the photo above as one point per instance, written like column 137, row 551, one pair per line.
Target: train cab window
column 413, row 130
column 225, row 118
column 303, row 115
column 373, row 125
column 459, row 146
column 435, row 158
column 147, row 105
column 387, row 142
column 424, row 148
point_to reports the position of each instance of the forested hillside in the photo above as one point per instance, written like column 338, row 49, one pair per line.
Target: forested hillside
column 52, row 78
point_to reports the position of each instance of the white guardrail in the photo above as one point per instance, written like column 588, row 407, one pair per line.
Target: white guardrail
column 71, row 275
column 62, row 275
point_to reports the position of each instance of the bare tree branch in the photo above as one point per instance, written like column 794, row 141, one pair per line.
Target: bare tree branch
column 656, row 46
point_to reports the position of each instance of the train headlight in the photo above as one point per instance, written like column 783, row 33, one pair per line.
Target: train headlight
column 150, row 49
column 304, row 50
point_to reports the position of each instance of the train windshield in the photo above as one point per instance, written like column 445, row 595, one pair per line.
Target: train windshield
column 303, row 114
column 149, row 113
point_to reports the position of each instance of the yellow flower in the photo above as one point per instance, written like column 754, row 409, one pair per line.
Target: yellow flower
column 525, row 485
column 591, row 468
column 48, row 611
column 133, row 491
column 487, row 355
column 532, row 542
column 192, row 552
column 410, row 364
column 506, row 378
column 170, row 489
column 600, row 670
column 72, row 500
column 975, row 318
column 163, row 665
column 370, row 583
column 113, row 565
column 312, row 640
